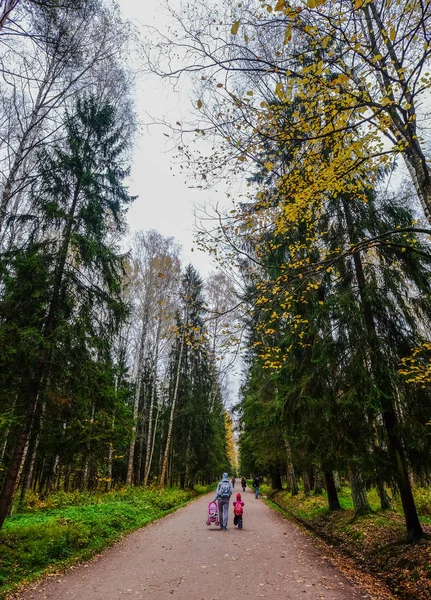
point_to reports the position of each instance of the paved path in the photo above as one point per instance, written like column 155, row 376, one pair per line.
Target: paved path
column 180, row 557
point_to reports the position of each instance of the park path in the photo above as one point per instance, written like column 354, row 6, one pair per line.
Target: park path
column 179, row 557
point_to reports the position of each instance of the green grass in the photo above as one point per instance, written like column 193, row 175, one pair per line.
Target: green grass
column 314, row 506
column 71, row 527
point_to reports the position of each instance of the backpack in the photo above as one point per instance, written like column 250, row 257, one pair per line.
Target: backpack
column 237, row 509
column 225, row 489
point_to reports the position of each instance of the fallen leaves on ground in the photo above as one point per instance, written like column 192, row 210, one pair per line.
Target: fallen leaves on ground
column 373, row 548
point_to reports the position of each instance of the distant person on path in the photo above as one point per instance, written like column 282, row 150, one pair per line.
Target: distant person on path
column 243, row 483
column 223, row 493
column 238, row 511
column 256, row 484
column 233, row 481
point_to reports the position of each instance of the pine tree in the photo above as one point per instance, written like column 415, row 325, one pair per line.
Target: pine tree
column 77, row 207
column 197, row 442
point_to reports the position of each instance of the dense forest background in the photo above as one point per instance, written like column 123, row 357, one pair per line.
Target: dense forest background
column 113, row 365
column 110, row 363
column 321, row 109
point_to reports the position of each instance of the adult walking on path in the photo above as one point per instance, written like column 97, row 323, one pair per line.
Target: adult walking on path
column 222, row 496
column 180, row 557
column 256, row 485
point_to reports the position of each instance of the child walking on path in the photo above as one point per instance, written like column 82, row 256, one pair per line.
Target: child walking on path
column 238, row 511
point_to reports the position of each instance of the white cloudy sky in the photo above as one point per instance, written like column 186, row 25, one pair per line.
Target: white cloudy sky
column 166, row 199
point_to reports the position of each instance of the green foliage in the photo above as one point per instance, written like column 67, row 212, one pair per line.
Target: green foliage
column 168, row 498
column 423, row 501
column 203, row 489
column 199, row 437
column 325, row 343
column 62, row 303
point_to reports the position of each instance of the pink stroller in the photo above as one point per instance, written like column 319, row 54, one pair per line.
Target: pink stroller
column 213, row 514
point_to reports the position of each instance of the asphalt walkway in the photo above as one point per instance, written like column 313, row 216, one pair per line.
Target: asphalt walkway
column 180, row 557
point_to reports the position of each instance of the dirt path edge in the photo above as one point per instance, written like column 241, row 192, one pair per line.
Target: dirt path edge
column 343, row 561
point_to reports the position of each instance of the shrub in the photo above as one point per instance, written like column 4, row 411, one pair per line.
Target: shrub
column 423, row 501
column 170, row 497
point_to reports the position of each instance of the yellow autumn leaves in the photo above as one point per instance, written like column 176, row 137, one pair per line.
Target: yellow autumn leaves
column 417, row 367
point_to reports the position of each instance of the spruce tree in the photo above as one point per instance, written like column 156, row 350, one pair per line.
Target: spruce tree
column 77, row 207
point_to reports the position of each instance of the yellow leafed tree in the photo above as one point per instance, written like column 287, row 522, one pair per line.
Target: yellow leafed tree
column 230, row 441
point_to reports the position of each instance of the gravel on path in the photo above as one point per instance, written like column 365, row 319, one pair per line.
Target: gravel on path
column 180, row 557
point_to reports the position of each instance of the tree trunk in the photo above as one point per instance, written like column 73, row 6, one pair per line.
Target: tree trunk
column 28, row 477
column 24, row 147
column 188, row 456
column 171, row 417
column 385, row 500
column 291, row 477
column 8, row 8
column 333, row 502
column 306, row 482
column 6, row 434
column 403, row 123
column 66, row 483
column 318, row 483
column 153, row 443
column 109, row 470
column 421, row 176
column 139, row 367
column 414, row 529
column 139, row 444
column 276, row 482
column 359, row 493
column 390, row 421
column 150, row 442
column 52, row 475
column 110, row 454
column 11, row 480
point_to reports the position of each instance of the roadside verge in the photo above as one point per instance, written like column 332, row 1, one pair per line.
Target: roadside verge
column 374, row 545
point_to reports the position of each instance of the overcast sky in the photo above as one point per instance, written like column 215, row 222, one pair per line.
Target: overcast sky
column 166, row 199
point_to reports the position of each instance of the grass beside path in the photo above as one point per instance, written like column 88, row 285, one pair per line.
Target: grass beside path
column 376, row 542
column 71, row 527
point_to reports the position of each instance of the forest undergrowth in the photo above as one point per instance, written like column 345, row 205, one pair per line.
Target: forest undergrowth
column 65, row 528
column 375, row 542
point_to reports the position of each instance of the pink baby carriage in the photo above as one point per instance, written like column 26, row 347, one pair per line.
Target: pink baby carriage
column 213, row 514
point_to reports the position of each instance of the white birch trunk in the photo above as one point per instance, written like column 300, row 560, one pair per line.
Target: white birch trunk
column 171, row 418
column 129, row 477
column 148, row 454
column 110, row 460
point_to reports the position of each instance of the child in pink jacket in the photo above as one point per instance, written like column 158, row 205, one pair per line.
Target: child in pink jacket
column 238, row 511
